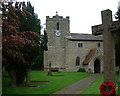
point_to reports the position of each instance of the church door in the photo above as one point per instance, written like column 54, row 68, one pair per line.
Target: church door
column 97, row 66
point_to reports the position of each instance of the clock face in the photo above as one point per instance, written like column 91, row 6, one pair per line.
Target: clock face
column 58, row 33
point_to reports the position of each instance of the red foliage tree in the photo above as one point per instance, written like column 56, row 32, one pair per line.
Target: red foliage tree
column 14, row 42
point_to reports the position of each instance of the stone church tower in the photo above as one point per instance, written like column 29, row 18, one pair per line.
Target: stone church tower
column 71, row 51
column 57, row 29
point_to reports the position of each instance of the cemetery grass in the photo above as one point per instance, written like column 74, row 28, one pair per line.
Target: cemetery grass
column 55, row 82
column 93, row 88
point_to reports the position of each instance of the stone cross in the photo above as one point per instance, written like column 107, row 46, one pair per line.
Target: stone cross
column 107, row 28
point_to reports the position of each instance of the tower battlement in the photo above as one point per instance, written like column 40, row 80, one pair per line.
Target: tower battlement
column 57, row 17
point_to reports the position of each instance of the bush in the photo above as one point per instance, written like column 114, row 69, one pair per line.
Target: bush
column 81, row 70
column 117, row 72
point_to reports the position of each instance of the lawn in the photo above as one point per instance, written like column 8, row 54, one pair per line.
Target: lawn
column 93, row 88
column 55, row 82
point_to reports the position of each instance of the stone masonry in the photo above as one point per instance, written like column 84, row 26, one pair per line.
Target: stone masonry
column 71, row 51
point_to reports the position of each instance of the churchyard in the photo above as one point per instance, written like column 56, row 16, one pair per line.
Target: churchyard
column 54, row 83
column 51, row 84
column 42, row 82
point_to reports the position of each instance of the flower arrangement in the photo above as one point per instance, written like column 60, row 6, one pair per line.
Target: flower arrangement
column 107, row 88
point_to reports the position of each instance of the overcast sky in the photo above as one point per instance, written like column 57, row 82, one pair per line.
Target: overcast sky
column 83, row 13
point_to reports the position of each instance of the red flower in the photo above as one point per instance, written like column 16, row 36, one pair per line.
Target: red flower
column 111, row 86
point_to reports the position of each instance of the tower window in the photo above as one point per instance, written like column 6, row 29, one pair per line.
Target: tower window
column 57, row 25
column 77, row 61
column 80, row 45
column 98, row 44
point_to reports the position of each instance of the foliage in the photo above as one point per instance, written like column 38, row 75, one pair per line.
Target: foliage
column 38, row 63
column 117, row 14
column 81, row 70
column 19, row 42
column 15, row 42
column 117, row 47
column 29, row 22
column 45, row 41
column 117, row 39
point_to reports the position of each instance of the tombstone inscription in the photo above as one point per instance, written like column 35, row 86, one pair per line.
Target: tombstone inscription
column 107, row 28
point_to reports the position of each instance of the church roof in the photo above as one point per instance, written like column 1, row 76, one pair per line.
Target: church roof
column 89, row 56
column 85, row 37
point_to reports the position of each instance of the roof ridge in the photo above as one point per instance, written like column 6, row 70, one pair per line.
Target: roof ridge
column 86, row 37
column 82, row 33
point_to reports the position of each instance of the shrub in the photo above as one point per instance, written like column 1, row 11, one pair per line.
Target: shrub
column 81, row 70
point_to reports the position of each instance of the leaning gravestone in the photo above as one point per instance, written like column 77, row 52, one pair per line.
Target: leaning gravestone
column 108, row 29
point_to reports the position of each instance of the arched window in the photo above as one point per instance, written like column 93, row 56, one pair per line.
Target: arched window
column 77, row 61
column 57, row 25
column 80, row 44
column 99, row 44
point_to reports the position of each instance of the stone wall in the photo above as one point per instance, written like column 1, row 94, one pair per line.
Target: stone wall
column 56, row 44
column 62, row 52
column 73, row 51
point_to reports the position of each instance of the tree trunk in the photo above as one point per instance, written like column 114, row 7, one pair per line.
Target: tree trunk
column 13, row 78
column 28, row 76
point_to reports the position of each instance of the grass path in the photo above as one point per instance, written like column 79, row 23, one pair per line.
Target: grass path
column 55, row 82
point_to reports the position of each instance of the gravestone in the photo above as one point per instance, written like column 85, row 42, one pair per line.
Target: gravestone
column 49, row 72
column 108, row 29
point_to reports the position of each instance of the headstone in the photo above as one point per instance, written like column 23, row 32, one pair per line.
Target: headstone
column 107, row 28
column 49, row 72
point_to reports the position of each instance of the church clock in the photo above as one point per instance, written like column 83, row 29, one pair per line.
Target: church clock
column 57, row 29
column 58, row 33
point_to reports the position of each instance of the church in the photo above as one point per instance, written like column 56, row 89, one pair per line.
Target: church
column 68, row 52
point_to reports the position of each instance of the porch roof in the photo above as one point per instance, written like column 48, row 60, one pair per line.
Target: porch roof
column 89, row 56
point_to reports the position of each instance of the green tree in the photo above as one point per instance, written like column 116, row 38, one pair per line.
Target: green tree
column 18, row 46
column 117, row 14
column 28, row 22
column 44, row 40
column 35, row 22
column 117, row 46
column 38, row 63
column 32, row 23
column 117, row 38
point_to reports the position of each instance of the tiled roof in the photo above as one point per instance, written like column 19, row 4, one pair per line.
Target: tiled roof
column 89, row 56
column 85, row 37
